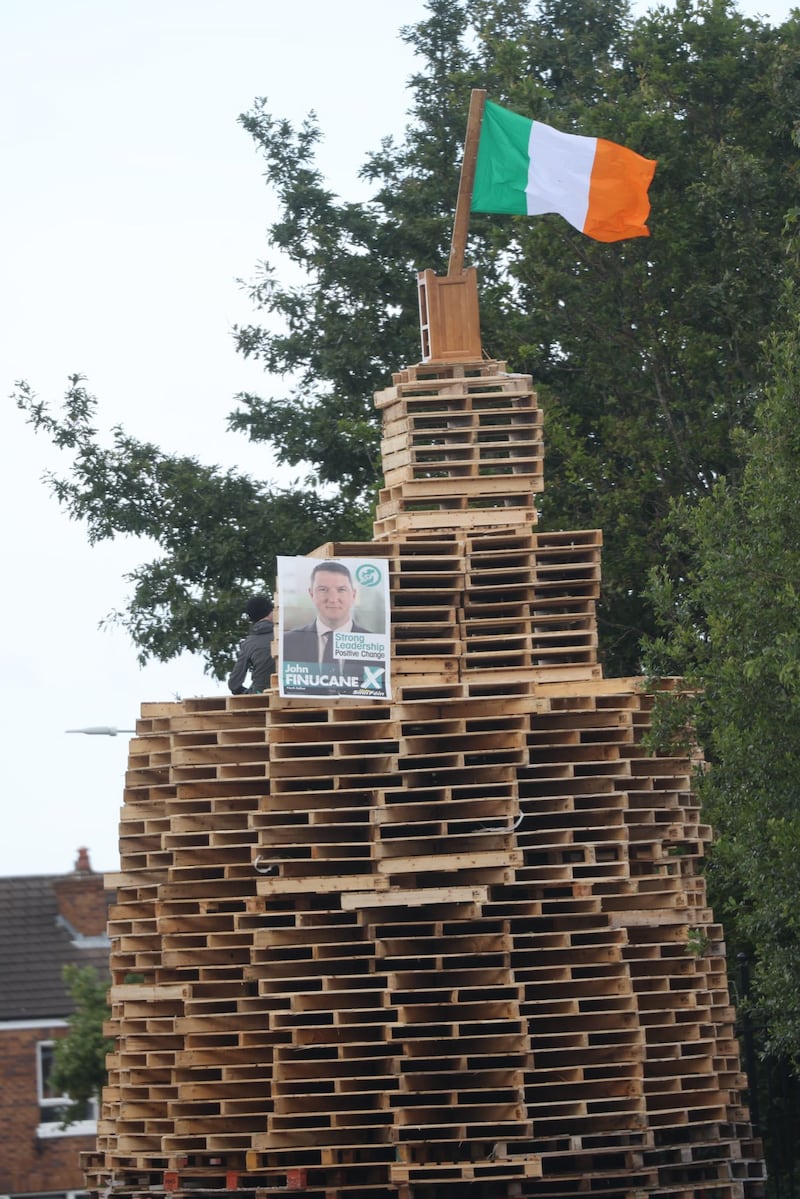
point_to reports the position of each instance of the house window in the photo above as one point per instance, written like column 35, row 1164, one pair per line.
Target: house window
column 53, row 1105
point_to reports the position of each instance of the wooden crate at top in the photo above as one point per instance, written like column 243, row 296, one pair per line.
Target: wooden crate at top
column 448, row 316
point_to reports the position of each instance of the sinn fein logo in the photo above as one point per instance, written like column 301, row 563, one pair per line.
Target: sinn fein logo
column 368, row 575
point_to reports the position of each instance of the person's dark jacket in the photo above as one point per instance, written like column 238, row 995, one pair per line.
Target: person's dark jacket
column 256, row 657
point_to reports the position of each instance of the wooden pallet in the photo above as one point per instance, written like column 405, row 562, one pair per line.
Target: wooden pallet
column 460, row 440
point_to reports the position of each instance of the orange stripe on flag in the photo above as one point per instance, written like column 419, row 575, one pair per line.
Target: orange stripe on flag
column 618, row 203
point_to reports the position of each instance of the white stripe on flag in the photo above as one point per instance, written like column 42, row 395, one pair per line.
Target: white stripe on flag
column 559, row 173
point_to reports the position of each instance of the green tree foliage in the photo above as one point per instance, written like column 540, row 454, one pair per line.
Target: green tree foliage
column 646, row 352
column 217, row 531
column 731, row 594
column 728, row 598
column 79, row 1068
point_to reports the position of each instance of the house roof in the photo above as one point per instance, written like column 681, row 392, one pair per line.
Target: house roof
column 37, row 940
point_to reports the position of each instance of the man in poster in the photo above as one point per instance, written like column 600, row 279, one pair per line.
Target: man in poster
column 336, row 653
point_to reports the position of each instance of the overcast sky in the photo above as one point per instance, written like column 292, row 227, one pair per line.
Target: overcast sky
column 132, row 202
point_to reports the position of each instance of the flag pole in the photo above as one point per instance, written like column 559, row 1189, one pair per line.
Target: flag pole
column 458, row 243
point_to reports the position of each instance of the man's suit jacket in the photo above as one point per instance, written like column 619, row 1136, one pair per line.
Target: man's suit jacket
column 301, row 645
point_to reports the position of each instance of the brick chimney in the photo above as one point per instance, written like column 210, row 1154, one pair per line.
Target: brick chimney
column 82, row 863
column 81, row 898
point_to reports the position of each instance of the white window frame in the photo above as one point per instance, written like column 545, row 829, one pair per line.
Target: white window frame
column 52, row 1128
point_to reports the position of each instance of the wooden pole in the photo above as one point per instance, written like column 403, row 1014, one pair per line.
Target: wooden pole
column 458, row 244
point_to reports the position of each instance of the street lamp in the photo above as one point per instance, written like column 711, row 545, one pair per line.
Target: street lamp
column 101, row 730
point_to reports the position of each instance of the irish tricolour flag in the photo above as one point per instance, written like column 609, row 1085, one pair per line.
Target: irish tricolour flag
column 524, row 167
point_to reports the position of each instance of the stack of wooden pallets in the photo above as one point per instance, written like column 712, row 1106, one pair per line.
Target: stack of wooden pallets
column 453, row 943
column 462, row 446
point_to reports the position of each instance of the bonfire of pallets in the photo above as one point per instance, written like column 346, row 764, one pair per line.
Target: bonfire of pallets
column 452, row 944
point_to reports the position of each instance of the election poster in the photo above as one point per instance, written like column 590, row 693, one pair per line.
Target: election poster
column 334, row 630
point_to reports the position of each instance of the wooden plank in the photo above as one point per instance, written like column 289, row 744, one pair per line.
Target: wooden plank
column 121, row 993
column 449, row 862
column 416, row 897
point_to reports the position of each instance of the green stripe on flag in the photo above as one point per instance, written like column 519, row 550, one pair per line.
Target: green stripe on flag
column 501, row 171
